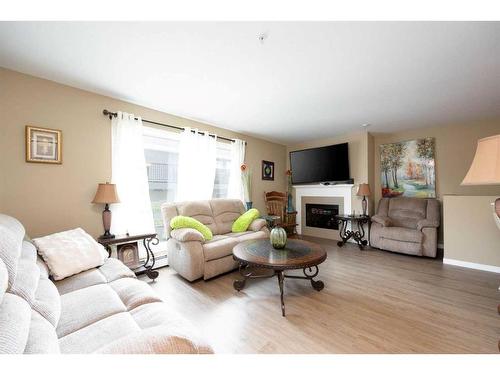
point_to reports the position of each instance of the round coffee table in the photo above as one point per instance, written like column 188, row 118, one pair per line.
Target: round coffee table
column 298, row 254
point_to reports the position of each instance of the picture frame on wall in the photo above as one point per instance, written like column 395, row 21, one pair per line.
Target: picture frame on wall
column 43, row 145
column 407, row 169
column 267, row 170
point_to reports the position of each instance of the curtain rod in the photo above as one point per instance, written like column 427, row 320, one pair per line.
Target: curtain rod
column 114, row 114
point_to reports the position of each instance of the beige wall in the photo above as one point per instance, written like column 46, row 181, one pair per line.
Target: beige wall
column 50, row 198
column 359, row 157
column 470, row 233
column 455, row 147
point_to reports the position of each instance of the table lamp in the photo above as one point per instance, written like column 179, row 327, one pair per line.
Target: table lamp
column 485, row 168
column 364, row 191
column 106, row 194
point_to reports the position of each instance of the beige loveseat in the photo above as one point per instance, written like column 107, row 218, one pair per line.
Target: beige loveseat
column 406, row 225
column 102, row 310
column 189, row 254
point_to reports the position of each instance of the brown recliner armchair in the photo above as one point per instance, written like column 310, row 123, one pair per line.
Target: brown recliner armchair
column 406, row 225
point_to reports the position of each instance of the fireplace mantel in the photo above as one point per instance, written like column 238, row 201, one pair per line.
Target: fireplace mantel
column 343, row 191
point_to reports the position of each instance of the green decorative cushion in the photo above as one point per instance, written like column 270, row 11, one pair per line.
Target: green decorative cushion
column 243, row 222
column 180, row 221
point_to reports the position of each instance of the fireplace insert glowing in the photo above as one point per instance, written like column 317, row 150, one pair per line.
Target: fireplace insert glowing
column 322, row 215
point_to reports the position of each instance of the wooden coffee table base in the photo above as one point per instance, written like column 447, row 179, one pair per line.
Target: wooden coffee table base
column 249, row 272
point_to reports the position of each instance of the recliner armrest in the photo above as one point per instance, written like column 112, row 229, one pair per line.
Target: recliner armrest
column 257, row 225
column 426, row 223
column 187, row 234
column 385, row 221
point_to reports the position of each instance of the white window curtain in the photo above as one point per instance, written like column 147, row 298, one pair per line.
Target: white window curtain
column 133, row 214
column 197, row 164
column 235, row 188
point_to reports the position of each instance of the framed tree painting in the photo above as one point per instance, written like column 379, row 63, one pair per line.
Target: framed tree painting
column 267, row 170
column 43, row 145
column 407, row 169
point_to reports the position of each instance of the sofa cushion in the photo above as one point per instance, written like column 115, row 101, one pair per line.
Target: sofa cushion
column 199, row 210
column 238, row 234
column 225, row 212
column 77, row 311
column 134, row 293
column 219, row 248
column 251, row 236
column 164, row 332
column 402, row 234
column 111, row 270
column 100, row 333
column 406, row 212
column 70, row 252
column 153, row 341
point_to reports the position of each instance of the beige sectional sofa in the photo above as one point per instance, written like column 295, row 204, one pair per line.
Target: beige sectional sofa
column 406, row 225
column 102, row 310
column 189, row 254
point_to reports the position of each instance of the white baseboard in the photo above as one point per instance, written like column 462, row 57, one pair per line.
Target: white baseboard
column 476, row 266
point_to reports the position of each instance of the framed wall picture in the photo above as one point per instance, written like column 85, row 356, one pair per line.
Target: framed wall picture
column 268, row 170
column 407, row 169
column 43, row 145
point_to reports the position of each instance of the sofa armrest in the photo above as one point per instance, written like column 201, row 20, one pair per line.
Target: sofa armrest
column 257, row 225
column 385, row 221
column 426, row 223
column 186, row 235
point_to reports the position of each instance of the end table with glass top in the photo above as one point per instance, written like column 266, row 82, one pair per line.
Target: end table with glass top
column 302, row 255
column 357, row 231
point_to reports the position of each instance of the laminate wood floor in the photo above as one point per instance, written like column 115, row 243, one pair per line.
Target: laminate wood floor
column 373, row 302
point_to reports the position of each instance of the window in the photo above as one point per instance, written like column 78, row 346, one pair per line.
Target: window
column 223, row 168
column 161, row 150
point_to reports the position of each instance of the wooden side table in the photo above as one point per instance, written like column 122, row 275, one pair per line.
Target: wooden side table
column 127, row 250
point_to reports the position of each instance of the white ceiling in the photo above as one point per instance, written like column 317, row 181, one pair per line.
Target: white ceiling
column 306, row 81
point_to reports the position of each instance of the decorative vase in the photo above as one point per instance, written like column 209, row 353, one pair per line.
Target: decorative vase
column 278, row 238
column 249, row 205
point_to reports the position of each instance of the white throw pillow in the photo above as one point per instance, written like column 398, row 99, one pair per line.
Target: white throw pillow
column 70, row 252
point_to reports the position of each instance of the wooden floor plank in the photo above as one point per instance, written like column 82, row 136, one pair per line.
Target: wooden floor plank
column 373, row 302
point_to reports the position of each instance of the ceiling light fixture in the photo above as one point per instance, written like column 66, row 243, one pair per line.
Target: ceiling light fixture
column 262, row 38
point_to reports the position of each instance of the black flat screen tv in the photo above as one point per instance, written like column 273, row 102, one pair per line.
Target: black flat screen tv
column 322, row 164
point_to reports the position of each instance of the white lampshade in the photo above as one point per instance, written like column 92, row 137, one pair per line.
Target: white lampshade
column 485, row 168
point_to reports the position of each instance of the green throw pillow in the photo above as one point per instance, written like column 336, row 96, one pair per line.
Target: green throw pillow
column 243, row 222
column 188, row 222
